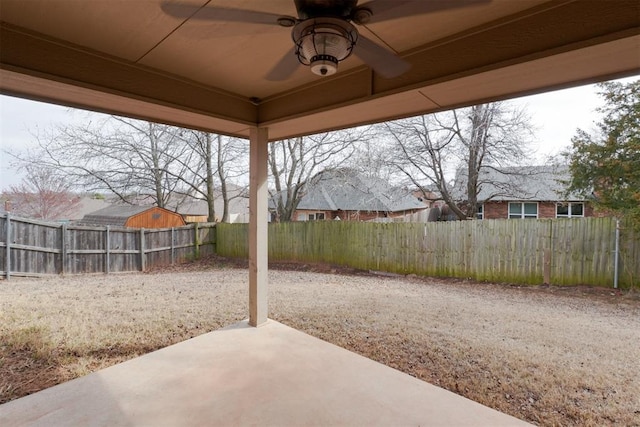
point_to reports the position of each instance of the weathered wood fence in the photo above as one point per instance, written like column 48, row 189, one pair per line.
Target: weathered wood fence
column 31, row 248
column 564, row 252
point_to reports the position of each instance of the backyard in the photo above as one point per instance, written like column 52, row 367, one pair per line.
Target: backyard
column 548, row 355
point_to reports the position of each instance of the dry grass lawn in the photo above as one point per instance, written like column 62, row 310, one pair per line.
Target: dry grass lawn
column 548, row 355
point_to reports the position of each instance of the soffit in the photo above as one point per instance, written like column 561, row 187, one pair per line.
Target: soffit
column 130, row 58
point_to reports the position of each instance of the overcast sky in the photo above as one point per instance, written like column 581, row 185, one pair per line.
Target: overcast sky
column 556, row 115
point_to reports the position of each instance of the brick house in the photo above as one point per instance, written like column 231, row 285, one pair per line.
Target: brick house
column 347, row 195
column 526, row 192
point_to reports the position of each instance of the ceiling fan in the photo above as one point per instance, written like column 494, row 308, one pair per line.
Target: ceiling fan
column 324, row 33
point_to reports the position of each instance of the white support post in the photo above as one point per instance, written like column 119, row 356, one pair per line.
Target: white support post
column 258, row 214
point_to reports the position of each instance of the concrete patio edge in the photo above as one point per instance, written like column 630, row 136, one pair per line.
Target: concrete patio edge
column 240, row 375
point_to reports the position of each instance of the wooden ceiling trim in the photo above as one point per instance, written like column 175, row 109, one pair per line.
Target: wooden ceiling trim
column 367, row 112
column 584, row 66
column 46, row 90
column 606, row 61
column 39, row 56
column 532, row 36
column 343, row 89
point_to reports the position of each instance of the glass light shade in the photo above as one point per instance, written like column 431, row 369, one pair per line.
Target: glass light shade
column 324, row 42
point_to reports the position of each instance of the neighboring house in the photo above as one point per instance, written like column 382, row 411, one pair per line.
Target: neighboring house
column 430, row 196
column 133, row 216
column 198, row 211
column 84, row 205
column 347, row 195
column 526, row 192
column 88, row 205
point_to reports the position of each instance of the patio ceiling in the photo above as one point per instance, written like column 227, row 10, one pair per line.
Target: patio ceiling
column 130, row 58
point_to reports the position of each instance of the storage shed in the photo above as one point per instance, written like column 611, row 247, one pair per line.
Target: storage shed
column 134, row 216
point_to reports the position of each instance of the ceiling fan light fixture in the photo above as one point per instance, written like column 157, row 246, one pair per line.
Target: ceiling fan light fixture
column 322, row 43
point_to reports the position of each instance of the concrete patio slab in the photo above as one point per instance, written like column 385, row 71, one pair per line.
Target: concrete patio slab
column 240, row 375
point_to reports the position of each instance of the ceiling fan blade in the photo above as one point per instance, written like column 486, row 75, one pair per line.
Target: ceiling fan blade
column 383, row 61
column 384, row 10
column 285, row 67
column 214, row 13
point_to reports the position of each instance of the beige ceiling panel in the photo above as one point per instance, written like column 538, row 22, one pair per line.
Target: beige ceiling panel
column 141, row 24
column 442, row 24
column 236, row 63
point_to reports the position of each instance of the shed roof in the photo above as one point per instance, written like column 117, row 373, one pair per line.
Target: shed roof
column 114, row 215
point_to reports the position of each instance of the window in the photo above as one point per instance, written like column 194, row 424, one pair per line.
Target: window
column 523, row 210
column 480, row 212
column 316, row 216
column 570, row 210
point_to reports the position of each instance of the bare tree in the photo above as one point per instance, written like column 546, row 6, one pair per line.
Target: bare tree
column 212, row 164
column 431, row 149
column 373, row 157
column 141, row 161
column 130, row 158
column 293, row 162
column 42, row 194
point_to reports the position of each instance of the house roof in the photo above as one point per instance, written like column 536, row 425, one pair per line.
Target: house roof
column 238, row 203
column 348, row 190
column 539, row 183
column 133, row 59
column 89, row 205
column 238, row 208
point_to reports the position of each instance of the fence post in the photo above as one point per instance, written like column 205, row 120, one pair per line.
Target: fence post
column 616, row 255
column 63, row 248
column 196, row 240
column 142, row 255
column 107, row 244
column 8, row 248
column 173, row 245
column 546, row 257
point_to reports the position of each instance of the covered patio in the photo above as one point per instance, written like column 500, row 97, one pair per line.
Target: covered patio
column 240, row 375
column 200, row 64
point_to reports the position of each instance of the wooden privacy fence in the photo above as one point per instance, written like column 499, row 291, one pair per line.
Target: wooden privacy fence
column 557, row 251
column 31, row 248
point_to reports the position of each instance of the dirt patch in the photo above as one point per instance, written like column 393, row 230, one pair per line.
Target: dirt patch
column 552, row 356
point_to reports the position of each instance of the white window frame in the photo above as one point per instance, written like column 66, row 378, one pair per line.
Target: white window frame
column 523, row 215
column 569, row 206
column 480, row 213
column 315, row 216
